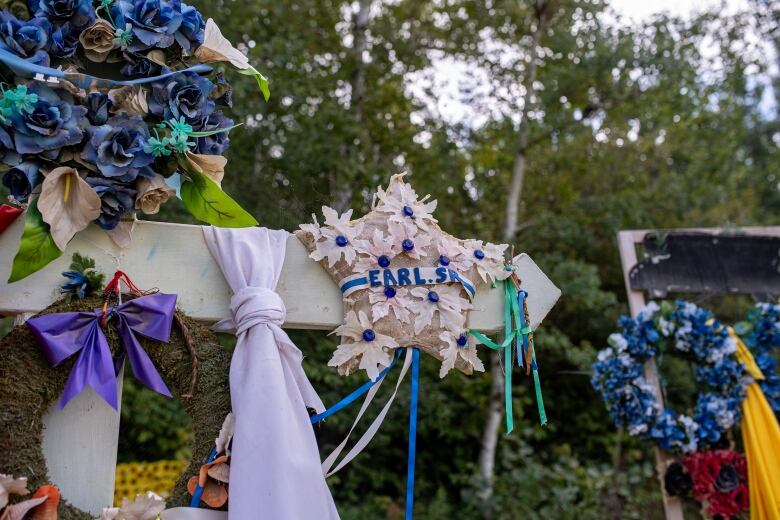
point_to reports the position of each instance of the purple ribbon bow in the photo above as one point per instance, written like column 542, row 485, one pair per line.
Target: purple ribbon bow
column 63, row 334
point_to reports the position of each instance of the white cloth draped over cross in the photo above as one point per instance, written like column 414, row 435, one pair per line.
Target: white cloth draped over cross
column 275, row 465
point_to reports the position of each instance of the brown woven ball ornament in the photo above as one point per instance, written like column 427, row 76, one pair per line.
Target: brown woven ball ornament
column 29, row 387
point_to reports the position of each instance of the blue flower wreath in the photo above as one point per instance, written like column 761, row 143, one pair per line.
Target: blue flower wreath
column 762, row 330
column 684, row 328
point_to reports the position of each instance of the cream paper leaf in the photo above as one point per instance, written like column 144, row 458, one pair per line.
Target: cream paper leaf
column 20, row 509
column 212, row 166
column 67, row 203
column 216, row 47
column 11, row 486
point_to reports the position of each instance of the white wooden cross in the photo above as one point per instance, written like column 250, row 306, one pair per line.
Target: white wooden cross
column 80, row 442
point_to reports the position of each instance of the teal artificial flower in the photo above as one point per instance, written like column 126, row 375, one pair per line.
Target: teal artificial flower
column 124, row 37
column 157, row 146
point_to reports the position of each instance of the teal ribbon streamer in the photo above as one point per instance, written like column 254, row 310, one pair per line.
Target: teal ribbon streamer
column 412, row 453
column 515, row 329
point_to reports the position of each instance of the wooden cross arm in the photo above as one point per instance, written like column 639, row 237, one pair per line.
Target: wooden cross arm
column 174, row 258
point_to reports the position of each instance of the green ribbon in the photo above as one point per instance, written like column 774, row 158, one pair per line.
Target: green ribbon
column 515, row 328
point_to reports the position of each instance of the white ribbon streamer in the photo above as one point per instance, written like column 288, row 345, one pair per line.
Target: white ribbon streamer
column 371, row 431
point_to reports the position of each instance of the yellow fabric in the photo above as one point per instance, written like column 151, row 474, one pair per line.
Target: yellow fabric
column 761, row 436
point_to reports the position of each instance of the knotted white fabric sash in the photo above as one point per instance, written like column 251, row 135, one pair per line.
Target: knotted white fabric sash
column 275, row 467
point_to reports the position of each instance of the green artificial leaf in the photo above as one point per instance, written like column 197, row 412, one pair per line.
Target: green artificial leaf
column 81, row 263
column 36, row 247
column 207, row 202
column 262, row 81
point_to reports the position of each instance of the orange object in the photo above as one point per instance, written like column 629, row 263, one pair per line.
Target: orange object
column 215, row 493
column 47, row 510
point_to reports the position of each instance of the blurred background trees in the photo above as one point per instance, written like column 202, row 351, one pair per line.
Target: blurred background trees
column 662, row 123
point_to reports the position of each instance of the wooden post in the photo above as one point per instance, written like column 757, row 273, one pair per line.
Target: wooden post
column 636, row 301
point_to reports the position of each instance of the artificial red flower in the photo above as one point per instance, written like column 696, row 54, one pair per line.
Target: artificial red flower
column 7, row 215
column 719, row 481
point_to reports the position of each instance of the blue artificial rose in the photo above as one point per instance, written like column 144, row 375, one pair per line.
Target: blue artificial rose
column 116, row 199
column 223, row 92
column 98, row 105
column 192, row 29
column 117, row 148
column 78, row 13
column 52, row 124
column 25, row 39
column 153, row 23
column 137, row 66
column 183, row 95
column 22, row 179
column 8, row 154
column 214, row 144
column 63, row 41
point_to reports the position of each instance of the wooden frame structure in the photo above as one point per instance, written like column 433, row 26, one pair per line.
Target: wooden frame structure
column 80, row 442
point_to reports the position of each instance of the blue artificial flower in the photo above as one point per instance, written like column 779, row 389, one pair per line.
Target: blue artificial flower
column 22, row 179
column 117, row 148
column 192, row 29
column 116, row 199
column 63, row 41
column 715, row 414
column 667, row 432
column 214, row 144
column 223, row 92
column 726, row 374
column 52, row 124
column 27, row 39
column 641, row 336
column 8, row 154
column 153, row 22
column 78, row 13
column 77, row 284
column 98, row 105
column 183, row 95
column 765, row 335
column 138, row 66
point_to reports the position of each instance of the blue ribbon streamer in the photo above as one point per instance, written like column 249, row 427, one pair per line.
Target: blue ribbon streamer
column 523, row 328
column 195, row 502
column 356, row 393
column 411, row 456
column 23, row 67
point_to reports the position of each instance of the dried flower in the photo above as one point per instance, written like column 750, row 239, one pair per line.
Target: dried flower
column 98, row 40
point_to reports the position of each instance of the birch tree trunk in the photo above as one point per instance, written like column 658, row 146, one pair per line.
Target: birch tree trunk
column 340, row 187
column 487, row 455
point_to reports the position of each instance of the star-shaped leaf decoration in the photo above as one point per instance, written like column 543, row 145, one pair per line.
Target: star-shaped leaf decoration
column 406, row 282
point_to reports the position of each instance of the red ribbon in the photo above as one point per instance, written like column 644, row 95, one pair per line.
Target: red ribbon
column 7, row 215
column 113, row 288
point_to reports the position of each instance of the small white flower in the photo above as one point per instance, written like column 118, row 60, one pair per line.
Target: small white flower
column 647, row 312
column 444, row 299
column 413, row 241
column 604, row 354
column 488, row 259
column 373, row 348
column 456, row 256
column 145, row 507
column 690, row 427
column 338, row 237
column 379, row 246
column 400, row 200
column 386, row 299
column 618, row 341
column 459, row 345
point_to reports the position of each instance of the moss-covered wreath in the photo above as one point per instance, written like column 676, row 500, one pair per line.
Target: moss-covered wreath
column 29, row 385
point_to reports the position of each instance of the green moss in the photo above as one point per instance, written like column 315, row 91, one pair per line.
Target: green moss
column 29, row 386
